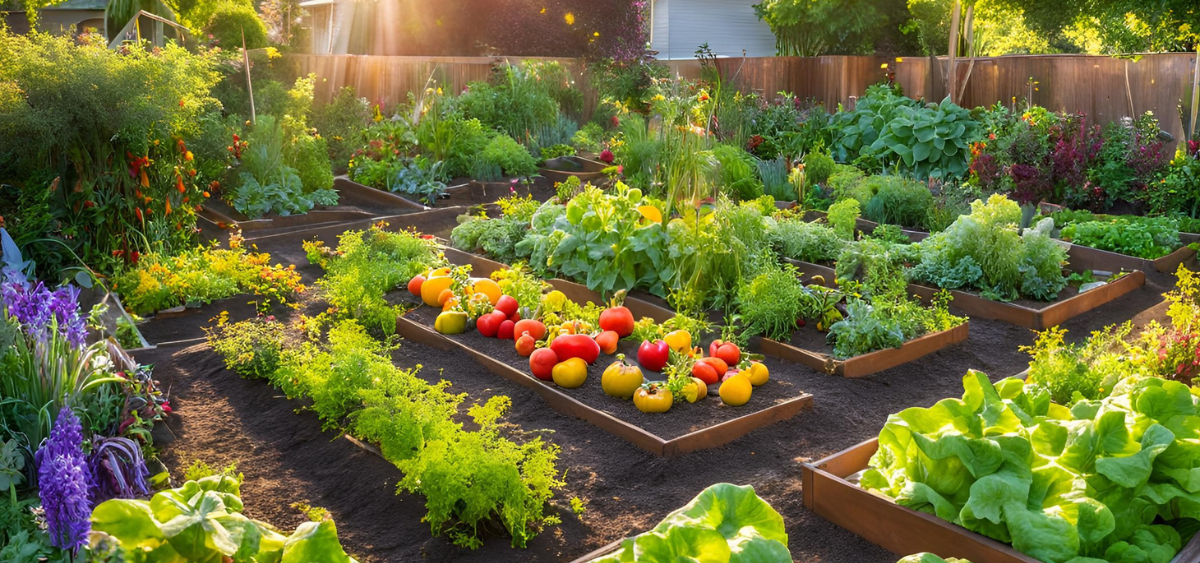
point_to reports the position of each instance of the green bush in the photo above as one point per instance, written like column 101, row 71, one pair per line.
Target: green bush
column 231, row 20
column 516, row 101
column 898, row 201
column 341, row 123
column 844, row 180
column 510, row 156
column 88, row 115
column 818, row 166
column 809, row 242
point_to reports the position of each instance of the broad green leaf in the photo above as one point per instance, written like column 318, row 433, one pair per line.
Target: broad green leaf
column 679, row 544
column 312, row 542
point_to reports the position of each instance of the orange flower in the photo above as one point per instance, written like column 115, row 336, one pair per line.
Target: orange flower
column 139, row 214
column 168, row 207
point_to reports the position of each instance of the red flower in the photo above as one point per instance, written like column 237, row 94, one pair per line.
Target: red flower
column 134, row 257
column 1194, row 147
column 615, row 121
column 607, row 156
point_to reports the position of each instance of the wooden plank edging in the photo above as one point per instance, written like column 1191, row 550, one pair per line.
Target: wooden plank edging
column 710, row 437
column 879, row 520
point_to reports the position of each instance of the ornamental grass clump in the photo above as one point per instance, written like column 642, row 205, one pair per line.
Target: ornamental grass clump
column 64, row 482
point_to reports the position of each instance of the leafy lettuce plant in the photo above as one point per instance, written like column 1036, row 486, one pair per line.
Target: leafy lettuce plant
column 984, row 251
column 1143, row 237
column 203, row 521
column 607, row 240
column 724, row 523
column 1097, row 480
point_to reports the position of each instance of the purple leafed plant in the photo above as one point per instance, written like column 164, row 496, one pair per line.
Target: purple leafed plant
column 38, row 308
column 64, row 482
column 118, row 470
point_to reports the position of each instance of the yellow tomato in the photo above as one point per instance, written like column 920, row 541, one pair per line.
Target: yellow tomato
column 620, row 379
column 487, row 287
column 570, row 373
column 679, row 340
column 433, row 287
column 653, row 397
column 451, row 322
column 757, row 373
column 696, row 391
column 736, row 390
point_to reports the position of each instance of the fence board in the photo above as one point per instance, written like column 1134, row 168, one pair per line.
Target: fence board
column 1095, row 85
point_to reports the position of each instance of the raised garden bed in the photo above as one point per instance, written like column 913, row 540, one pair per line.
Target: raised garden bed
column 1095, row 259
column 708, row 423
column 565, row 167
column 831, row 491
column 355, row 201
column 1024, row 313
column 807, row 346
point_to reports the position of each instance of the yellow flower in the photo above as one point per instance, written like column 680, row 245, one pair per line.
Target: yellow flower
column 570, row 18
column 543, row 10
column 273, row 53
column 899, row 59
column 883, row 66
column 596, row 34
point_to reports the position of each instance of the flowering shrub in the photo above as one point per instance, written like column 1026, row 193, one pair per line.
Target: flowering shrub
column 202, row 275
column 126, row 179
column 1038, row 155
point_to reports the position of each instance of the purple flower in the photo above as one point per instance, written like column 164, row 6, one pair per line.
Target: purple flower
column 63, row 483
column 38, row 308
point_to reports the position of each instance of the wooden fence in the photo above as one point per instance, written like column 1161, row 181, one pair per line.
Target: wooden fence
column 1104, row 88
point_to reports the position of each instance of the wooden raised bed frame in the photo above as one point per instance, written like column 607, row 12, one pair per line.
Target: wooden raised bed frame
column 858, row 366
column 1095, row 259
column 1053, row 314
column 710, row 437
column 879, row 520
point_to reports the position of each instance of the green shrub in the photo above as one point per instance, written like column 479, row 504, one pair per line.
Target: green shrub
column 898, row 201
column 772, row 302
column 367, row 265
column 231, row 20
column 510, row 156
column 589, row 139
column 843, row 217
column 808, row 242
column 818, row 166
column 341, row 123
column 843, row 180
column 516, row 101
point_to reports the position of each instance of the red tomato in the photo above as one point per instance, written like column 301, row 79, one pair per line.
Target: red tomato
column 618, row 320
column 414, row 285
column 580, row 346
column 535, row 328
column 489, row 324
column 705, row 372
column 506, row 328
column 542, row 362
column 507, row 305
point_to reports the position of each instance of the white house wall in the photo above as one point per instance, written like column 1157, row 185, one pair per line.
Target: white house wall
column 728, row 26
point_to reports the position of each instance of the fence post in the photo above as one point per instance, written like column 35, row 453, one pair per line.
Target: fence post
column 1195, row 96
column 951, row 72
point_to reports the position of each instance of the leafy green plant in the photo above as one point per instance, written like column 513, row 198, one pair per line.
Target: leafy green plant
column 228, row 24
column 1143, row 237
column 366, row 265
column 268, row 183
column 341, row 123
column 984, row 251
column 818, row 167
column 771, row 303
column 601, row 239
column 510, row 156
column 899, row 201
column 1073, row 372
column 352, row 382
column 774, row 175
column 418, row 178
column 808, row 242
column 251, row 349
column 589, row 138
column 1007, row 462
column 736, row 172
column 843, row 217
column 202, row 521
column 556, row 151
column 724, row 523
column 497, row 238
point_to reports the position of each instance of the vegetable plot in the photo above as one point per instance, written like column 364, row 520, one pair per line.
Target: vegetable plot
column 724, row 523
column 1101, row 480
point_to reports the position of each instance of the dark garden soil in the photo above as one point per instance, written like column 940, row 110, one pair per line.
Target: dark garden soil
column 460, row 193
column 221, row 418
column 787, row 381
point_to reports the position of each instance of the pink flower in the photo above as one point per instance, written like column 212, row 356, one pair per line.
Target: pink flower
column 607, row 156
column 620, row 169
